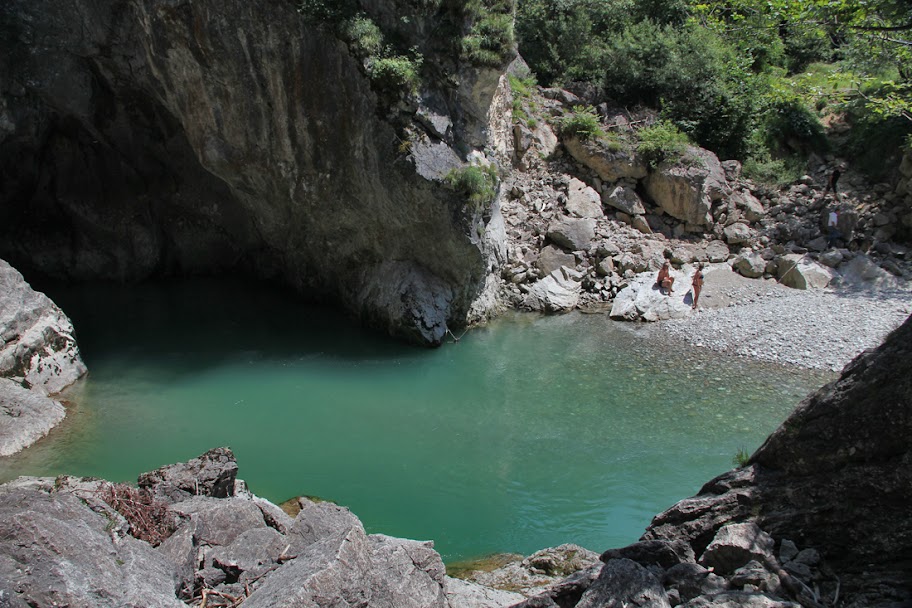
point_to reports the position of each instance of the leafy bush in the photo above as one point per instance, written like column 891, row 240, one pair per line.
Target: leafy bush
column 363, row 36
column 582, row 124
column 395, row 73
column 773, row 172
column 478, row 184
column 326, row 11
column 662, row 141
column 491, row 41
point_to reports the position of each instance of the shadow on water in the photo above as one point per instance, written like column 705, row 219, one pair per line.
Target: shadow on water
column 185, row 326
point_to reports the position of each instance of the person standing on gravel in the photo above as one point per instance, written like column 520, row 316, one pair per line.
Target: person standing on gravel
column 697, row 284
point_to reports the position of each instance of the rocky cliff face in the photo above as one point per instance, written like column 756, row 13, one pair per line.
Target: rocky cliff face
column 156, row 137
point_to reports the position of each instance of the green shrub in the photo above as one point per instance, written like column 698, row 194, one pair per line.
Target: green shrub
column 491, row 40
column 742, row 457
column 521, row 87
column 363, row 36
column 395, row 73
column 582, row 124
column 326, row 11
column 478, row 184
column 662, row 141
column 773, row 172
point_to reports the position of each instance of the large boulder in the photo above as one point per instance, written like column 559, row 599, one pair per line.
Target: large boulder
column 610, row 165
column 211, row 474
column 573, row 234
column 37, row 347
column 737, row 544
column 624, row 199
column 802, row 272
column 25, row 416
column 583, row 201
column 56, row 551
column 750, row 265
column 623, row 582
column 551, row 258
column 687, row 190
column 642, row 300
column 557, row 292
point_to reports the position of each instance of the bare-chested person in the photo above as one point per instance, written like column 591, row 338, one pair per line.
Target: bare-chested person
column 697, row 283
column 665, row 280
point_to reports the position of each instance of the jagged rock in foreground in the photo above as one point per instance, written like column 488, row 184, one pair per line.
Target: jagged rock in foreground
column 62, row 543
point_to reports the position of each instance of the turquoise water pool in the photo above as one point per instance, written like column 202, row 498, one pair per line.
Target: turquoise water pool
column 530, row 432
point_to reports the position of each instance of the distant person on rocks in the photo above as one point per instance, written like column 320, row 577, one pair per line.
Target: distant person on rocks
column 831, row 184
column 665, row 281
column 697, row 284
column 833, row 227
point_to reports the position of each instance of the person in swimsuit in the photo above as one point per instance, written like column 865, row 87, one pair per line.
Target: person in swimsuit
column 697, row 283
column 665, row 281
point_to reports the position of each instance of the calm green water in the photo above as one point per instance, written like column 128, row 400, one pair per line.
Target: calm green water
column 529, row 433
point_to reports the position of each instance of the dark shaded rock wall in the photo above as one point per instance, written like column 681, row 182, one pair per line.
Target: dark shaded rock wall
column 159, row 137
column 836, row 476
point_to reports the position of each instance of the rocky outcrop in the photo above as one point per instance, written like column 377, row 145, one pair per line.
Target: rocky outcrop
column 834, row 476
column 688, row 190
column 25, row 416
column 160, row 138
column 37, row 344
column 38, row 357
column 642, row 300
column 64, row 542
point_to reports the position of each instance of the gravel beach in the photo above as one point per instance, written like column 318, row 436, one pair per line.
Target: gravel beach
column 815, row 329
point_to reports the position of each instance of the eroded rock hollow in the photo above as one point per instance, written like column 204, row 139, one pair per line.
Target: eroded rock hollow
column 147, row 138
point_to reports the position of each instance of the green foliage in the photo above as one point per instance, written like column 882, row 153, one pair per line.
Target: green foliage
column 395, row 73
column 363, row 36
column 491, row 40
column 742, row 457
column 764, row 169
column 662, row 141
column 478, row 184
column 521, row 87
column 582, row 124
column 326, row 11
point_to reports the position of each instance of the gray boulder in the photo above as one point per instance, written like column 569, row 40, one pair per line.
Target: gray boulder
column 557, row 292
column 551, row 258
column 466, row 594
column 737, row 544
column 250, row 555
column 317, row 521
column 219, row 521
column 739, row 599
column 56, row 551
column 661, row 553
column 211, row 474
column 750, row 265
column 716, row 251
column 609, row 165
column 642, row 300
column 751, row 208
column 583, row 201
column 624, row 582
column 25, row 416
column 738, row 234
column 801, row 272
column 687, row 190
column 625, row 199
column 574, row 234
column 37, row 347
